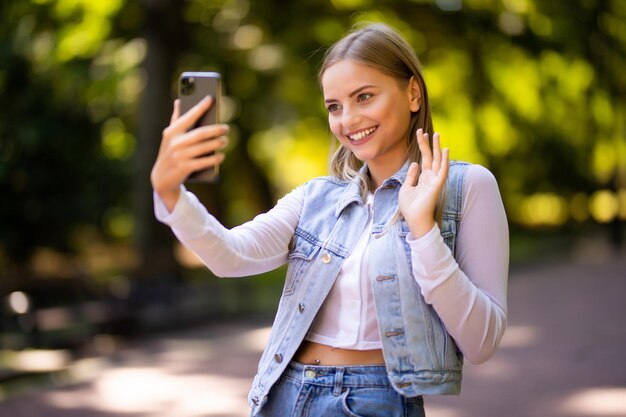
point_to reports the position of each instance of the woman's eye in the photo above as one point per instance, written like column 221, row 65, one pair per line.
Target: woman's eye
column 363, row 96
column 332, row 108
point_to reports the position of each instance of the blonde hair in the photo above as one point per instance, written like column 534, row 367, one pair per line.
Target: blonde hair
column 381, row 47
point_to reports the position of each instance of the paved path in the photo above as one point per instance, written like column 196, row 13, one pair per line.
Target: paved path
column 564, row 355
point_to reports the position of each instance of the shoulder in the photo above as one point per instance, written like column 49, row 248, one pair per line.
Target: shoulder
column 320, row 189
column 480, row 188
column 470, row 175
column 468, row 181
column 325, row 183
column 470, row 172
column 326, row 187
column 328, row 180
column 479, row 180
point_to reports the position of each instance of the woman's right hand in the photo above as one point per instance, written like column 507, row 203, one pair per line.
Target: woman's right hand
column 184, row 151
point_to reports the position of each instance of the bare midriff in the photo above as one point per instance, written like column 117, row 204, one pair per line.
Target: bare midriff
column 312, row 353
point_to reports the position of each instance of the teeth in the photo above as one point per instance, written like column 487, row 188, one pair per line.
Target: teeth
column 362, row 134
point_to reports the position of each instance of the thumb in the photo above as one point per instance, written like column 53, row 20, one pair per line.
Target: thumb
column 411, row 175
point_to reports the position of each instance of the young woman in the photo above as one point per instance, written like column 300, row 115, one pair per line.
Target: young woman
column 397, row 262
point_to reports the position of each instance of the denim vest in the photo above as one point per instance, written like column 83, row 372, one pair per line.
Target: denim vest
column 420, row 356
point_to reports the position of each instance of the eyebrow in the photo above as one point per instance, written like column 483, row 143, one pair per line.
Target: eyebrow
column 352, row 94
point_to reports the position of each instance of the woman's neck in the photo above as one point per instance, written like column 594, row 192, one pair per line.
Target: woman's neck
column 380, row 172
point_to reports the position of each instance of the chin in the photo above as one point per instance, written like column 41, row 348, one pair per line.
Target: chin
column 363, row 157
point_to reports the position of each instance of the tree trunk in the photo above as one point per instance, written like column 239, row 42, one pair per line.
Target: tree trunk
column 163, row 34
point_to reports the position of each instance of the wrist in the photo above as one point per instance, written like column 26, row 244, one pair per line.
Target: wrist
column 169, row 197
column 421, row 228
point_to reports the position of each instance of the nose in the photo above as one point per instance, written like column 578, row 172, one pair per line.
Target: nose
column 351, row 117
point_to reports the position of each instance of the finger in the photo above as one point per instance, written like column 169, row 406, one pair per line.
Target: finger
column 181, row 124
column 445, row 165
column 189, row 119
column 206, row 147
column 436, row 153
column 206, row 162
column 176, row 111
column 424, row 145
column 203, row 133
column 168, row 132
column 411, row 175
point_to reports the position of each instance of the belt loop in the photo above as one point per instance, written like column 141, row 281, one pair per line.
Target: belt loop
column 338, row 382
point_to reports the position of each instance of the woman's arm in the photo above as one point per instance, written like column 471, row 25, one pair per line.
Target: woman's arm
column 254, row 247
column 257, row 246
column 469, row 296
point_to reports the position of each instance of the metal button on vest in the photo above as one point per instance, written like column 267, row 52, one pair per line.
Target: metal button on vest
column 326, row 257
column 309, row 373
column 278, row 358
column 300, row 307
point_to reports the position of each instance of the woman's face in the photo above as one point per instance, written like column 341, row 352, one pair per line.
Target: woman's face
column 369, row 112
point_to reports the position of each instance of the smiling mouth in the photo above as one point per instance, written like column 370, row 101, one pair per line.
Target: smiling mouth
column 362, row 134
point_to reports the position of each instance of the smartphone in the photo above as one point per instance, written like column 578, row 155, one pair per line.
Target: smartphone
column 193, row 87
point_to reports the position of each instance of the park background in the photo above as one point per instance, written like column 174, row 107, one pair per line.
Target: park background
column 535, row 91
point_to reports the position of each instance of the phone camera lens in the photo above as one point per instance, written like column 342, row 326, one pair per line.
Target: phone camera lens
column 187, row 86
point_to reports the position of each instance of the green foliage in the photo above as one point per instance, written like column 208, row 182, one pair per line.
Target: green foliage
column 533, row 90
column 58, row 168
column 53, row 174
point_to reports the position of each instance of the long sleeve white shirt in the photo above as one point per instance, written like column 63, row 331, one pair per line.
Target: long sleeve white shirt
column 468, row 294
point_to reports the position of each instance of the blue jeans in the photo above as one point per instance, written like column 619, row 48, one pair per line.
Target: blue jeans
column 338, row 391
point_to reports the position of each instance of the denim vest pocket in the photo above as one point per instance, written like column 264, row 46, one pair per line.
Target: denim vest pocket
column 302, row 251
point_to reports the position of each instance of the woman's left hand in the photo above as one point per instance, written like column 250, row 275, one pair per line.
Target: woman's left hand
column 420, row 192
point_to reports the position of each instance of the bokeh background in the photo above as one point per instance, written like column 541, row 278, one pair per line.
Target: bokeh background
column 533, row 90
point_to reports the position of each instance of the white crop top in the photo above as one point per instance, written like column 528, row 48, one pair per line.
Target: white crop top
column 347, row 319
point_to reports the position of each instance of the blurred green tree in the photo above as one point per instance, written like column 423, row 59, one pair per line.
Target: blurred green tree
column 55, row 172
column 533, row 90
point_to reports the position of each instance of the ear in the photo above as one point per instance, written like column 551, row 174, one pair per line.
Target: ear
column 415, row 95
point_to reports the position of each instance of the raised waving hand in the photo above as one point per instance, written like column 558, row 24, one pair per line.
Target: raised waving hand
column 421, row 190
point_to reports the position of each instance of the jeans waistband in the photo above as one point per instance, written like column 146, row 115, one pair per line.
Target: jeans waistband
column 351, row 376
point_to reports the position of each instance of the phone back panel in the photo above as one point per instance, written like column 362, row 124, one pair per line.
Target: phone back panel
column 203, row 84
column 192, row 88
